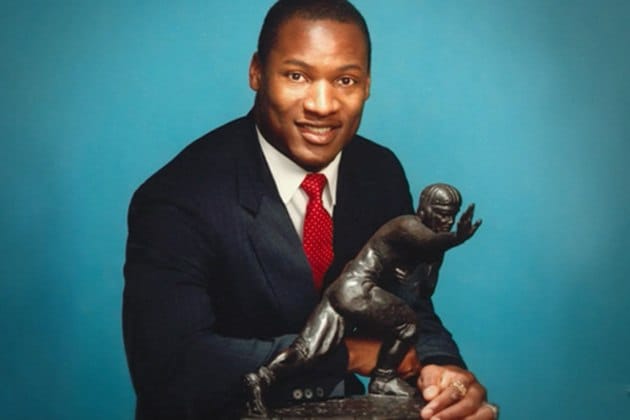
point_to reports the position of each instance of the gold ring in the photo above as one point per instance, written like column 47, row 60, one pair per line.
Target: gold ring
column 460, row 387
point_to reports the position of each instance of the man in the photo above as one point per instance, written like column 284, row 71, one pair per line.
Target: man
column 216, row 278
column 359, row 298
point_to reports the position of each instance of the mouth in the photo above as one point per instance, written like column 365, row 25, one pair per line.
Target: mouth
column 318, row 134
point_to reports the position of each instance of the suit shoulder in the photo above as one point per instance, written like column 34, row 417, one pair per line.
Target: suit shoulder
column 210, row 158
column 372, row 160
column 224, row 141
column 366, row 148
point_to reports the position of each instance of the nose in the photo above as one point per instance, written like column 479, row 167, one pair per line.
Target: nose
column 321, row 98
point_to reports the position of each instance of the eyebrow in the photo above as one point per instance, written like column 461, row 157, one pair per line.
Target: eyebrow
column 303, row 64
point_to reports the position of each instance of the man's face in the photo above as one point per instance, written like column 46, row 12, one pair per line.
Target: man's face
column 439, row 218
column 311, row 89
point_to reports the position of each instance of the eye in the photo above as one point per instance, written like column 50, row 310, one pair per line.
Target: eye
column 295, row 76
column 346, row 81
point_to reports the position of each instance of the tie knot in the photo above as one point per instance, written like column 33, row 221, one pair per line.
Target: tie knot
column 313, row 185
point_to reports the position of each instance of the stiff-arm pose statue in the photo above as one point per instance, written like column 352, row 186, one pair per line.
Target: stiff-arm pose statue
column 356, row 299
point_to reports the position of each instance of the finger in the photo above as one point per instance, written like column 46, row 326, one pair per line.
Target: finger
column 451, row 393
column 470, row 212
column 454, row 406
column 449, row 376
column 465, row 220
column 429, row 380
column 475, row 226
column 444, row 399
column 485, row 412
column 430, row 375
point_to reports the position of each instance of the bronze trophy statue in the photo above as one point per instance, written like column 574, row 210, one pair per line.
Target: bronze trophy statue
column 357, row 299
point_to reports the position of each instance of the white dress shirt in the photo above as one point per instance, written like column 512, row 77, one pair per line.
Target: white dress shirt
column 288, row 176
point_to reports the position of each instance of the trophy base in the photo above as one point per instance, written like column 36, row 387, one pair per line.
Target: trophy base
column 376, row 407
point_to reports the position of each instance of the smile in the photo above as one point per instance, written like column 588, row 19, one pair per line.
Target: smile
column 317, row 130
column 317, row 134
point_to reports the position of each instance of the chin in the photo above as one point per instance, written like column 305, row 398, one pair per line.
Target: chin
column 312, row 166
column 314, row 163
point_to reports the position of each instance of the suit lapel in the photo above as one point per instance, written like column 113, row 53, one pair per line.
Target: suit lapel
column 273, row 238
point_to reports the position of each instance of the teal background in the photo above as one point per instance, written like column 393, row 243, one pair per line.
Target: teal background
column 524, row 105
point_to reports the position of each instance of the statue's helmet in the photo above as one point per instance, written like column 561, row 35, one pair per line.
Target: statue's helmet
column 438, row 205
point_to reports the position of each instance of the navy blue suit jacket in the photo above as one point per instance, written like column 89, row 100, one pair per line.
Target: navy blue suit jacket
column 216, row 281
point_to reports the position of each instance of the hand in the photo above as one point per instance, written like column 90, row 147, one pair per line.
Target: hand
column 446, row 401
column 363, row 354
column 465, row 227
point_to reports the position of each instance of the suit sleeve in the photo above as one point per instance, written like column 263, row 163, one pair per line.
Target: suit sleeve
column 181, row 365
column 435, row 343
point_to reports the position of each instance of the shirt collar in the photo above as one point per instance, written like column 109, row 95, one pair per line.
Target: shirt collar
column 288, row 175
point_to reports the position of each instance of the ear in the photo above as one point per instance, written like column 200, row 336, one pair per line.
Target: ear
column 368, row 84
column 255, row 73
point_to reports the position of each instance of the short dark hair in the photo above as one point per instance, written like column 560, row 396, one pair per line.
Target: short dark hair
column 283, row 10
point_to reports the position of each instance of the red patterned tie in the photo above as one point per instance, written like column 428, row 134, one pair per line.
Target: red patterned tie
column 318, row 229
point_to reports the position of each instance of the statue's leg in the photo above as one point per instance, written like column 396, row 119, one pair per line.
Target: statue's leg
column 395, row 347
column 255, row 385
column 384, row 379
column 376, row 308
column 323, row 330
column 400, row 320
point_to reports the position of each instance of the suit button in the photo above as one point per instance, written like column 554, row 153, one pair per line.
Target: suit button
column 319, row 392
column 308, row 394
column 297, row 394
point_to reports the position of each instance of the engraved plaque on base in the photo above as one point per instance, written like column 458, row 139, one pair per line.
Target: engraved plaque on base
column 375, row 407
